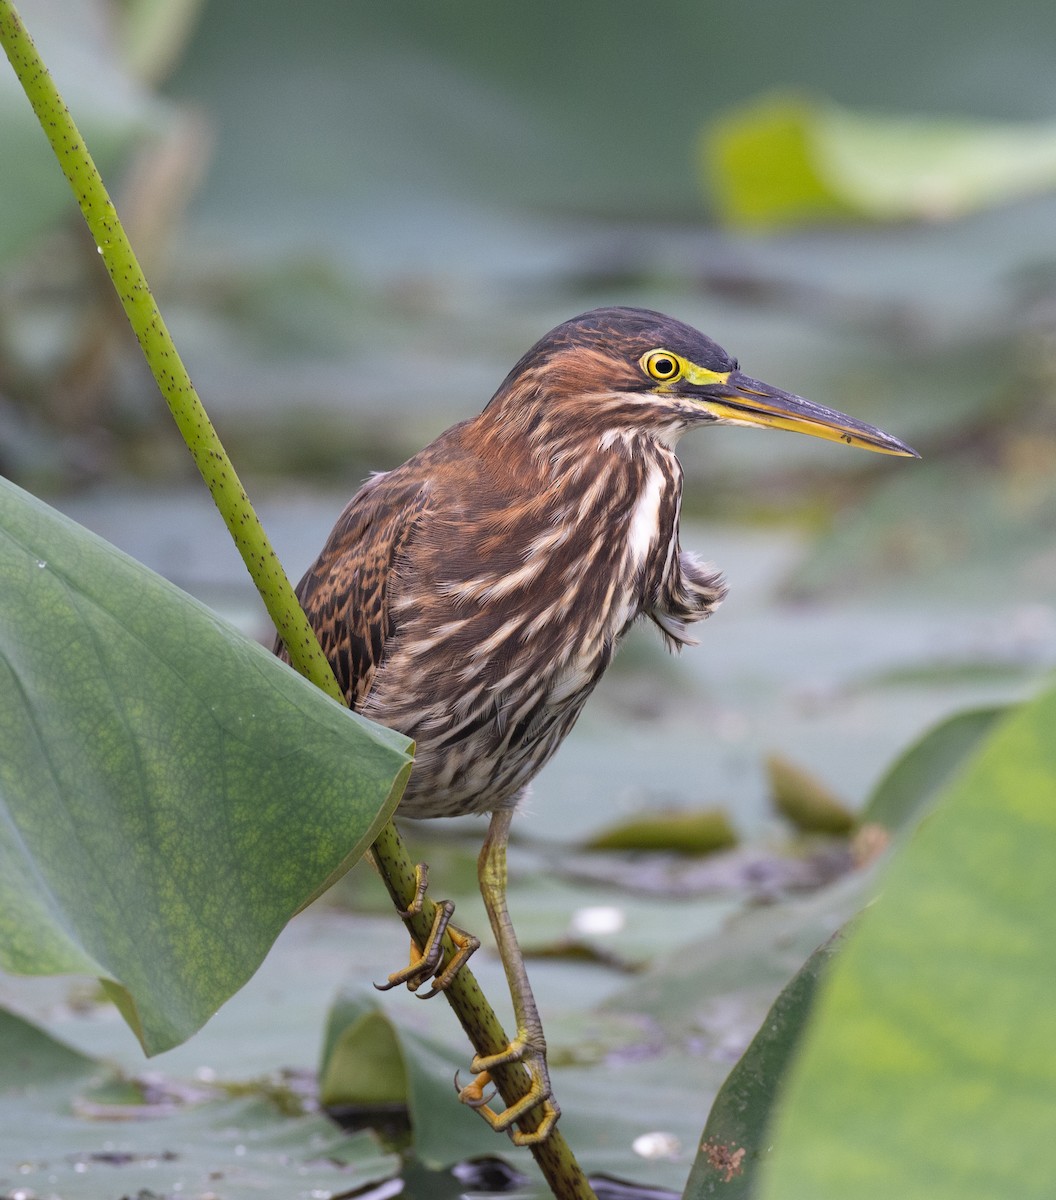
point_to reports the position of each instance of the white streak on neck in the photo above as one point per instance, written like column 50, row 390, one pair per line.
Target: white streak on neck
column 644, row 528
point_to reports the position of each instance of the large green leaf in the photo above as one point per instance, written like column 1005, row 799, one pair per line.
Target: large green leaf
column 170, row 793
column 930, row 1068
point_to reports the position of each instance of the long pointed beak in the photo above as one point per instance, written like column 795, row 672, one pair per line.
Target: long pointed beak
column 740, row 400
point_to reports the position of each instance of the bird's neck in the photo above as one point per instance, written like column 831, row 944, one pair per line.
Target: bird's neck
column 619, row 487
column 548, row 440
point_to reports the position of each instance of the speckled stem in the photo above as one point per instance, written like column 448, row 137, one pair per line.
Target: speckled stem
column 483, row 1028
column 476, row 1015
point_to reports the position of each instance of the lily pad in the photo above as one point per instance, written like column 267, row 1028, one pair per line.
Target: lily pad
column 32, row 1059
column 57, row 1139
column 995, row 541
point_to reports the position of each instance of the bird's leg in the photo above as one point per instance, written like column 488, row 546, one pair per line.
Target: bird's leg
column 425, row 959
column 529, row 1045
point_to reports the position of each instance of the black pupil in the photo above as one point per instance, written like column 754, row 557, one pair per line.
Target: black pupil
column 663, row 366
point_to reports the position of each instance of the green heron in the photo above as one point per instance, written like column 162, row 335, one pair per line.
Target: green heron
column 473, row 597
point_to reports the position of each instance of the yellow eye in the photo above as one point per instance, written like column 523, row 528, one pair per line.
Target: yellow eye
column 661, row 366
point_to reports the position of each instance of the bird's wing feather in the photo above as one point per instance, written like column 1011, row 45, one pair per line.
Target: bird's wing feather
column 347, row 592
column 691, row 592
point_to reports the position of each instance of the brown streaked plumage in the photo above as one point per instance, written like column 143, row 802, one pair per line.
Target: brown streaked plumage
column 472, row 597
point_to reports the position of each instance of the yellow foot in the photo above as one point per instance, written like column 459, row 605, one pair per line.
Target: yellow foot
column 477, row 1096
column 424, row 960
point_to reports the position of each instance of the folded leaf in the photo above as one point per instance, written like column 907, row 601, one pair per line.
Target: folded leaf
column 804, row 800
column 683, row 831
column 372, row 1061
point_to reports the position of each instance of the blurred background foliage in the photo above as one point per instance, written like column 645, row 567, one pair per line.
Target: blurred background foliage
column 356, row 224
column 357, row 216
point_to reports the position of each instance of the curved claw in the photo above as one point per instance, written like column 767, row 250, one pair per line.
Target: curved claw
column 466, row 944
column 473, row 1094
column 539, row 1093
column 425, row 960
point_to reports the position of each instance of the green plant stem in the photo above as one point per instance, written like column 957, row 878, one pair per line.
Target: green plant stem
column 476, row 1015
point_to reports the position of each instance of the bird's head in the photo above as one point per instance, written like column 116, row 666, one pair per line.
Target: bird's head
column 631, row 371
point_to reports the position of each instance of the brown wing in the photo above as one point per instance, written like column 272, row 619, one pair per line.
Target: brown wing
column 346, row 591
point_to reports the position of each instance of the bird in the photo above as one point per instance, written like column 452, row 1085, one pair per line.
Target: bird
column 472, row 598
